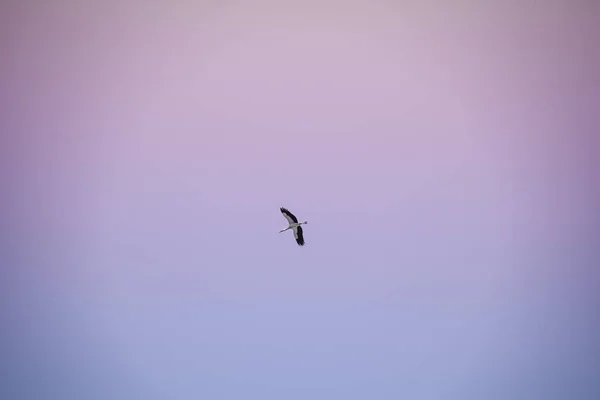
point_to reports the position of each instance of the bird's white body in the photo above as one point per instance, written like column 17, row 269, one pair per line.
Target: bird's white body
column 294, row 225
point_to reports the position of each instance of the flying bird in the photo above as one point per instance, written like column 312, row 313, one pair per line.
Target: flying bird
column 295, row 225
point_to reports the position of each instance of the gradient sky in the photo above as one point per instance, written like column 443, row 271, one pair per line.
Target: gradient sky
column 442, row 155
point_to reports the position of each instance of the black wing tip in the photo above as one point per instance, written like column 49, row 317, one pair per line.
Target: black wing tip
column 289, row 214
column 285, row 211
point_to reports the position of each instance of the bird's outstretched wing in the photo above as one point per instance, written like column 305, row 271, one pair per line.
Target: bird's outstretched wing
column 299, row 235
column 291, row 218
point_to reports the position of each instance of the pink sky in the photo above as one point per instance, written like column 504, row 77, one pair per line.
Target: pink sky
column 438, row 153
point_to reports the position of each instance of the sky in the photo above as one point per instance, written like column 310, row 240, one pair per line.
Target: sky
column 443, row 156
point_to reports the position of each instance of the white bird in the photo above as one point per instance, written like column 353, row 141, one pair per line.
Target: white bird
column 295, row 225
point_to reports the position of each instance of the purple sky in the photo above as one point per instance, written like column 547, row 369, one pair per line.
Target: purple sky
column 441, row 154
